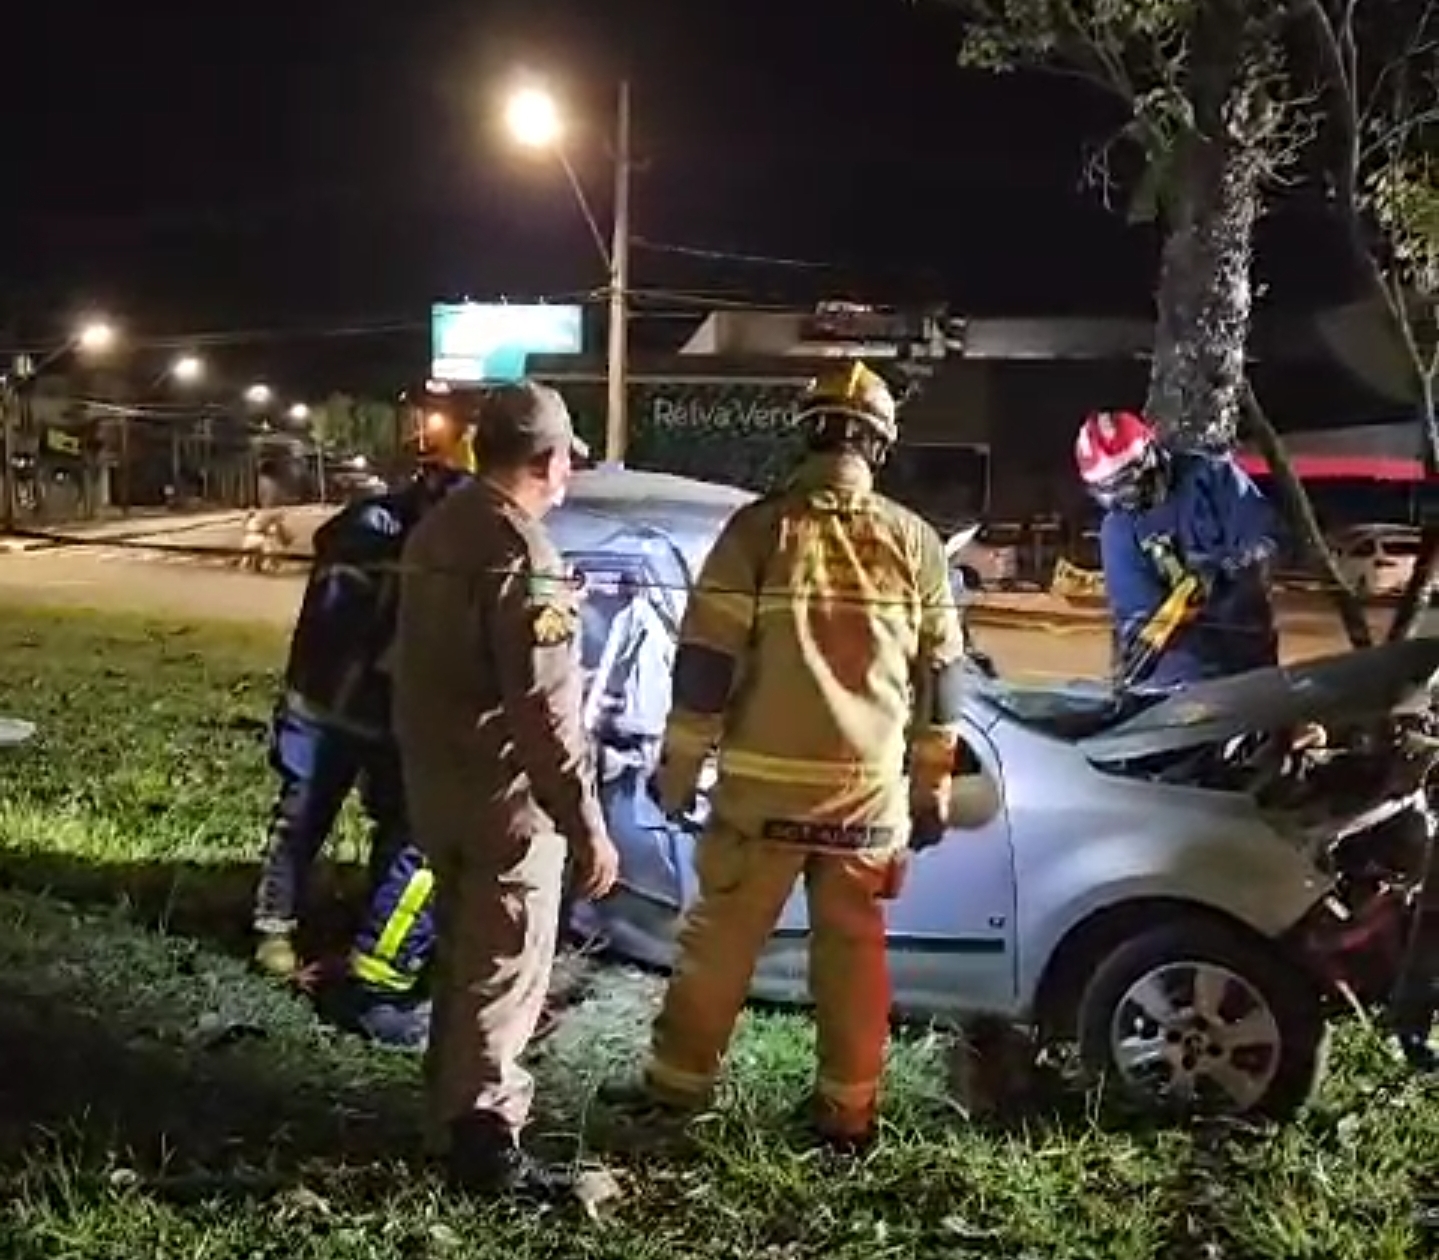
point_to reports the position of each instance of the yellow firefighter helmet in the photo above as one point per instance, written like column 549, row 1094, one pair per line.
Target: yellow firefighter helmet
column 856, row 392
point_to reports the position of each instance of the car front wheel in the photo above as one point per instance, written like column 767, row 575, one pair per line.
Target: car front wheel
column 1195, row 1017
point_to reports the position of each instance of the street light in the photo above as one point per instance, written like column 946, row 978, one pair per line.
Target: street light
column 299, row 413
column 535, row 121
column 259, row 395
column 96, row 337
column 188, row 369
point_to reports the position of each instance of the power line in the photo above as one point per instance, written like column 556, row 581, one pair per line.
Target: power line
column 721, row 255
column 697, row 302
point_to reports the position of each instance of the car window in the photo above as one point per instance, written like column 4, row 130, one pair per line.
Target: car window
column 1363, row 550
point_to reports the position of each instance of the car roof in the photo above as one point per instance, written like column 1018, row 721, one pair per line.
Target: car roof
column 634, row 487
column 685, row 512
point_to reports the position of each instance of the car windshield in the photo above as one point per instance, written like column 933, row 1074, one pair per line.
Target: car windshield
column 1069, row 709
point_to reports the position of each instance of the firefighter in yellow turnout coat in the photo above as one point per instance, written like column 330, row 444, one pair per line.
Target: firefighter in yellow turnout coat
column 820, row 655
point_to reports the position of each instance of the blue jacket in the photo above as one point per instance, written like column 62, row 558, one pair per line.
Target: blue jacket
column 347, row 616
column 1220, row 527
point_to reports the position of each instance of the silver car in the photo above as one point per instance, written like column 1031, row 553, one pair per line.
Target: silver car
column 1155, row 878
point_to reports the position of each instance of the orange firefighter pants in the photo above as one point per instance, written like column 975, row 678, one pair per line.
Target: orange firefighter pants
column 743, row 886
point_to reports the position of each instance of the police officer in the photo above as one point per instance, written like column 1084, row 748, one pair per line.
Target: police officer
column 821, row 653
column 498, row 769
column 1169, row 515
column 331, row 729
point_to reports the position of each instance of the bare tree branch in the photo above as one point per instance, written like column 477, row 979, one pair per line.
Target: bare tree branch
column 1299, row 511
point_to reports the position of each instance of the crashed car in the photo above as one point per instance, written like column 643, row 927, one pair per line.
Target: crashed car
column 1182, row 885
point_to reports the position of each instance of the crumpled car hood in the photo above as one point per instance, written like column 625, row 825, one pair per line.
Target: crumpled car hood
column 1352, row 686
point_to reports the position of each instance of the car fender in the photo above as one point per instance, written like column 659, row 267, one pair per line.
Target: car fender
column 1230, row 862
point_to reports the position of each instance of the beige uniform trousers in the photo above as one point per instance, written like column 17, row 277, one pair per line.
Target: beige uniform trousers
column 743, row 886
column 497, row 908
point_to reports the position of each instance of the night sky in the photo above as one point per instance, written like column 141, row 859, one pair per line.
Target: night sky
column 265, row 168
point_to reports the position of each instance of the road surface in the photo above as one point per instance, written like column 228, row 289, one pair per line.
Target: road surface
column 1024, row 635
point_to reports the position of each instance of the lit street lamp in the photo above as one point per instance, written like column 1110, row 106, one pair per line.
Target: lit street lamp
column 188, row 369
column 259, row 395
column 534, row 120
column 299, row 413
column 95, row 336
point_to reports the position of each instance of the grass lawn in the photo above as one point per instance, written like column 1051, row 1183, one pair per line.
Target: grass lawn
column 157, row 1100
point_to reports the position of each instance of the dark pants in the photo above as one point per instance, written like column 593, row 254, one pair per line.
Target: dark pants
column 396, row 942
column 318, row 766
column 397, row 938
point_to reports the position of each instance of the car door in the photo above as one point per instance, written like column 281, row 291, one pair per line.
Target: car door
column 951, row 930
column 628, row 646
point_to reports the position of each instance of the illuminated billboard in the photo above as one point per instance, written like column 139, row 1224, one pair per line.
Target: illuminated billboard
column 474, row 343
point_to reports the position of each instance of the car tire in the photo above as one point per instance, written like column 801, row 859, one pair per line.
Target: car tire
column 1266, row 1027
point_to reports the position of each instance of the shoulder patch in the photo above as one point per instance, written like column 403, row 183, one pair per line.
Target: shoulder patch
column 554, row 625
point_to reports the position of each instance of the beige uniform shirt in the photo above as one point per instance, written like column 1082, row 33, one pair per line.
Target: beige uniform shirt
column 488, row 682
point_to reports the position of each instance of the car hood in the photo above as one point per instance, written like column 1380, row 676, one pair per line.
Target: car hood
column 1350, row 687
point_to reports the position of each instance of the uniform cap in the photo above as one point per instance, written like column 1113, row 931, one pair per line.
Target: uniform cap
column 525, row 419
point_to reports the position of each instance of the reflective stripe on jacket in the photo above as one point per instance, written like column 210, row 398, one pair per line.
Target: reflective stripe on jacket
column 807, row 655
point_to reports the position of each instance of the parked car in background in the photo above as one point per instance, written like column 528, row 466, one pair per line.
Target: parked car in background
column 1376, row 559
column 977, row 548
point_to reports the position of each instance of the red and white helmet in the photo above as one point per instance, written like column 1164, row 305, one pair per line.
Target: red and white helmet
column 1115, row 451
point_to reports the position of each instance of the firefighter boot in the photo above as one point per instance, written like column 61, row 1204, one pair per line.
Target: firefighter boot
column 275, row 956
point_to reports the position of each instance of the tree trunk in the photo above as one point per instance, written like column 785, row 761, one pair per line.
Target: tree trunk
column 1203, row 302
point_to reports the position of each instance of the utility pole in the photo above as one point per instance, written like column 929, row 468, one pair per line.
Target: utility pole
column 125, row 462
column 9, row 400
column 616, row 420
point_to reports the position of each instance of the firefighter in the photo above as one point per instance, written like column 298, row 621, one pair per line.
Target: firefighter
column 1172, row 516
column 331, row 729
column 498, row 771
column 821, row 655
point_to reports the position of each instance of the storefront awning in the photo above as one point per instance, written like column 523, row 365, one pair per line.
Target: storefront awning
column 1317, row 467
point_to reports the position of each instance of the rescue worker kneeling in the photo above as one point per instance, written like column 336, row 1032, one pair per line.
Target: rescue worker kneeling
column 821, row 654
column 331, row 730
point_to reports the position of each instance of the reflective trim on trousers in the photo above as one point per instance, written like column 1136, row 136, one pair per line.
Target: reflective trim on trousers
column 377, row 966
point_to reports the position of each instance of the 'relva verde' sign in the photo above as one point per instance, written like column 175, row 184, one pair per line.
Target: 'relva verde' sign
column 741, row 434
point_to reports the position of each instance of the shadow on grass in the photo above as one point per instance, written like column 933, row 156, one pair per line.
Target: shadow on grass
column 132, row 1031
column 205, row 901
column 136, row 1045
